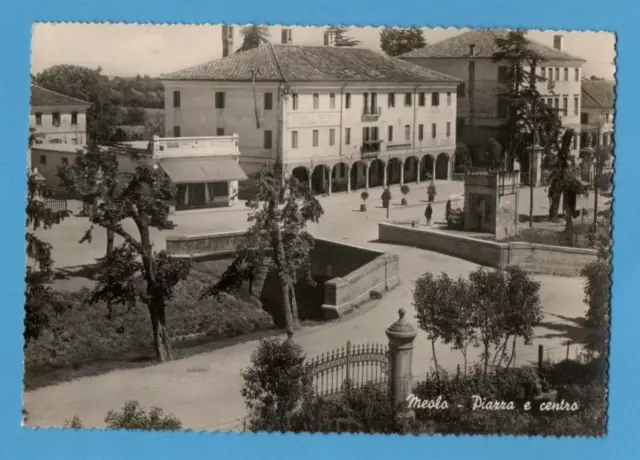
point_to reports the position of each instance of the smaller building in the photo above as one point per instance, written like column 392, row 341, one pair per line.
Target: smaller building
column 47, row 158
column 57, row 118
column 598, row 100
column 491, row 203
column 205, row 170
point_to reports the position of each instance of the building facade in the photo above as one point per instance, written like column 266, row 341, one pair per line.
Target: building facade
column 598, row 101
column 57, row 118
column 482, row 105
column 338, row 118
column 205, row 170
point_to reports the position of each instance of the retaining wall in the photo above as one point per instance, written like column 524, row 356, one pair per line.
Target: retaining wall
column 534, row 258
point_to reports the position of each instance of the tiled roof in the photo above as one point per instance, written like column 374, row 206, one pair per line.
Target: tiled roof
column 42, row 97
column 309, row 63
column 484, row 47
column 598, row 94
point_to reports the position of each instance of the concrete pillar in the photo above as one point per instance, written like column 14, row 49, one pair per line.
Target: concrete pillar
column 385, row 178
column 433, row 169
column 349, row 178
column 402, row 172
column 367, row 166
column 401, row 335
column 418, row 170
column 328, row 178
column 452, row 165
column 538, row 168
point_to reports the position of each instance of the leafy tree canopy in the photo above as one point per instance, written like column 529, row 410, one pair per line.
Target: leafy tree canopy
column 396, row 42
column 341, row 38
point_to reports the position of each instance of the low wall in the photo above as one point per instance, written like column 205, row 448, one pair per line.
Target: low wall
column 354, row 271
column 534, row 258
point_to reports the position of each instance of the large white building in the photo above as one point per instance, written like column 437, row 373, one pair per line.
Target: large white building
column 57, row 118
column 482, row 105
column 349, row 117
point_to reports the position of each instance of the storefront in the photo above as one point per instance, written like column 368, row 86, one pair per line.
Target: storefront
column 205, row 170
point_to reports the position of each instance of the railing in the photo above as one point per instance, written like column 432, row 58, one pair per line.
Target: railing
column 370, row 149
column 55, row 205
column 356, row 366
column 371, row 113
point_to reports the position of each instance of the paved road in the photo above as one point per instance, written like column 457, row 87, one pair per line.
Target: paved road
column 203, row 390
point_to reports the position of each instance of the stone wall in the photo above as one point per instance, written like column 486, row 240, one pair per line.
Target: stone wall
column 534, row 258
column 353, row 271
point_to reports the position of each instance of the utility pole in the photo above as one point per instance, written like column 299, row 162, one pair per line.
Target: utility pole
column 531, row 160
column 599, row 153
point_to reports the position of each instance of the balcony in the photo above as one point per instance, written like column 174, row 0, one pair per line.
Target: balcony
column 370, row 149
column 371, row 113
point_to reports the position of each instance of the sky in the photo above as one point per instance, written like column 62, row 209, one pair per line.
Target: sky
column 131, row 49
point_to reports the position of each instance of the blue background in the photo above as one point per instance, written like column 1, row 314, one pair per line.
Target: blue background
column 613, row 15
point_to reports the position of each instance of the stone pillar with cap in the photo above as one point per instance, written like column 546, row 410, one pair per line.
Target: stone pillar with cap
column 401, row 335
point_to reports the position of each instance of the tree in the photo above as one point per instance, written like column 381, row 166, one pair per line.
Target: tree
column 276, row 240
column 597, row 296
column 133, row 417
column 253, row 36
column 564, row 183
column 396, row 42
column 39, row 301
column 133, row 272
column 341, row 38
column 494, row 152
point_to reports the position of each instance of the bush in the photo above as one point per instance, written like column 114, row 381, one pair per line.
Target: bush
column 133, row 417
column 405, row 189
column 375, row 295
column 364, row 196
column 274, row 384
column 386, row 195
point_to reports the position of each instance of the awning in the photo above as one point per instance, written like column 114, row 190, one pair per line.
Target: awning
column 202, row 169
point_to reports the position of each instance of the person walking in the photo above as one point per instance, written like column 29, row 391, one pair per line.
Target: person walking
column 428, row 213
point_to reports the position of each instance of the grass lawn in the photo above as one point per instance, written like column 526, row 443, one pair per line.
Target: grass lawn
column 84, row 340
column 554, row 234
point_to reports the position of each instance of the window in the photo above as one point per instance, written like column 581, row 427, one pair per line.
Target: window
column 503, row 73
column 391, row 99
column 584, row 118
column 606, row 117
column 38, row 118
column 420, row 132
column 347, row 136
column 407, row 100
column 220, row 100
column 390, row 133
column 347, row 101
column 407, row 132
column 462, row 90
column 365, row 102
column 448, row 129
column 369, row 134
column 550, row 102
column 294, row 139
column 557, row 74
column 176, row 99
column 575, row 142
column 421, row 99
column 503, row 107
column 556, row 103
column 176, row 131
column 294, row 101
column 332, row 100
column 268, row 139
column 433, row 130
column 435, row 99
column 449, row 99
column 64, row 160
column 218, row 189
column 577, row 74
column 332, row 137
column 268, row 101
column 43, row 159
column 565, row 106
column 576, row 105
column 315, row 138
column 55, row 119
column 566, row 74
column 316, row 101
column 74, row 118
column 219, row 131
column 374, row 103
column 543, row 72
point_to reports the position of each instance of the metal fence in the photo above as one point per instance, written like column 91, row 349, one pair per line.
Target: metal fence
column 55, row 205
column 356, row 364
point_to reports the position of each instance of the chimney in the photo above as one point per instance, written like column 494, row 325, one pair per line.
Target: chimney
column 557, row 42
column 286, row 38
column 227, row 40
column 472, row 50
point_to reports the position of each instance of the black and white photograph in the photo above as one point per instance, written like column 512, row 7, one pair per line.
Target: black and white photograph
column 331, row 229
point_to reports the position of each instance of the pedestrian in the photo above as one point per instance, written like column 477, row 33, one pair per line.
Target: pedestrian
column 427, row 213
column 447, row 211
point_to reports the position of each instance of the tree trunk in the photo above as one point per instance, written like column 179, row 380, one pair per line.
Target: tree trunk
column 161, row 338
column 286, row 304
column 568, row 219
column 294, row 305
column 110, row 240
column 486, row 359
column 261, row 273
column 435, row 361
